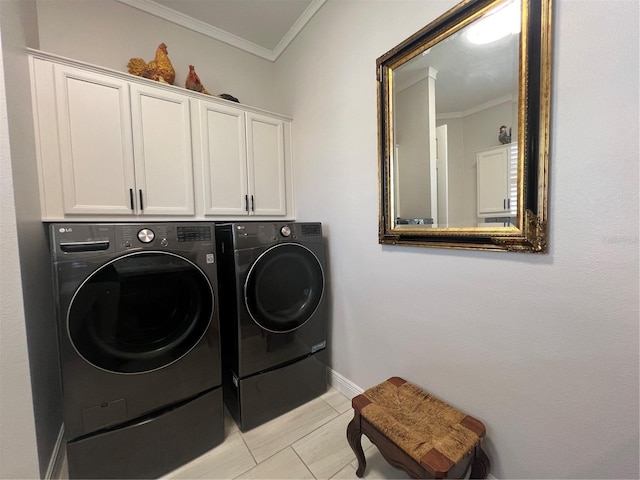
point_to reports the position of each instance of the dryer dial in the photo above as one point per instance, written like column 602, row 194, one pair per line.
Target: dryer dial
column 146, row 235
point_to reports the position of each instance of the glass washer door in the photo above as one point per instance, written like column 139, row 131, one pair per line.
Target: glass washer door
column 140, row 312
column 284, row 287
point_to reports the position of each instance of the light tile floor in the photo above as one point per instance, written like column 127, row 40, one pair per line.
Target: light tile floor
column 309, row 442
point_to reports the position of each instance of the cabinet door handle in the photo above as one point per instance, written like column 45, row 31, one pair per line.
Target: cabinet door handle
column 131, row 197
column 253, row 206
column 141, row 202
column 246, row 203
column 508, row 203
column 504, row 204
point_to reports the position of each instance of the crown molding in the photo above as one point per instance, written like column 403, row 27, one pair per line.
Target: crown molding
column 173, row 16
column 478, row 108
column 297, row 27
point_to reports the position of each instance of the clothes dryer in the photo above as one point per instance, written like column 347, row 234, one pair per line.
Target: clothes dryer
column 139, row 346
column 273, row 314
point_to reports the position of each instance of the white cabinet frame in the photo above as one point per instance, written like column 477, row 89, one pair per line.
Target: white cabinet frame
column 116, row 147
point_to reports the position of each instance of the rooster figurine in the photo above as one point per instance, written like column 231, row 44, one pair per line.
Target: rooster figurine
column 159, row 69
column 193, row 82
column 503, row 136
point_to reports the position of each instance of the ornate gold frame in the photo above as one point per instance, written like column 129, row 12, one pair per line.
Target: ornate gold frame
column 530, row 232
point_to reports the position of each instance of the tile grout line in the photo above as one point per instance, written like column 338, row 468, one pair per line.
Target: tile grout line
column 290, row 445
column 303, row 462
column 250, row 453
column 313, row 431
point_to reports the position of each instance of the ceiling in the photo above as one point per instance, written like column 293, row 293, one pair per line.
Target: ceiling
column 469, row 78
column 261, row 27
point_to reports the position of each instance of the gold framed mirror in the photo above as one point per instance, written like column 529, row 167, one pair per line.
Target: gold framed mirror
column 463, row 129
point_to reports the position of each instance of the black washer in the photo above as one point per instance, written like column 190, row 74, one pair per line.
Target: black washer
column 140, row 312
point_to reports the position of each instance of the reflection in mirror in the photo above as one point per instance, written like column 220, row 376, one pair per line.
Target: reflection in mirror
column 454, row 99
column 450, row 103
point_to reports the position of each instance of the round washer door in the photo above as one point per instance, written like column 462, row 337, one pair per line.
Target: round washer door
column 284, row 287
column 140, row 312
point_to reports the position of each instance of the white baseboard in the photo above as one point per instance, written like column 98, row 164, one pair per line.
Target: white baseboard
column 56, row 455
column 343, row 384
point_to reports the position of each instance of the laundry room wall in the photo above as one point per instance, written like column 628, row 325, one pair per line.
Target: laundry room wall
column 108, row 33
column 31, row 403
column 542, row 348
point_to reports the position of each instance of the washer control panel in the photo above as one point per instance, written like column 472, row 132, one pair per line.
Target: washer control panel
column 185, row 236
column 194, row 233
column 88, row 240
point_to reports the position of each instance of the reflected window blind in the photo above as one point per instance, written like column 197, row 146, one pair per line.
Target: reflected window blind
column 513, row 178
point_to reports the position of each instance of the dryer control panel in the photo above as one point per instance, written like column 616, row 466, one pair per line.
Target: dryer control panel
column 253, row 234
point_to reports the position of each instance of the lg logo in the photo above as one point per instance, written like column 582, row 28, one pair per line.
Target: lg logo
column 65, row 230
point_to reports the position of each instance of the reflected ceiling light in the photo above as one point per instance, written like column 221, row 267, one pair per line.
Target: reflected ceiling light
column 500, row 22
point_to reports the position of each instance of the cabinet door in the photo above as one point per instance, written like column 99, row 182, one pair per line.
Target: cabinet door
column 224, row 159
column 266, row 165
column 162, row 151
column 96, row 156
column 493, row 182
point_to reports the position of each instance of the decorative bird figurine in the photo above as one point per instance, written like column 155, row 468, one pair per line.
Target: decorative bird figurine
column 193, row 82
column 226, row 96
column 159, row 69
column 503, row 136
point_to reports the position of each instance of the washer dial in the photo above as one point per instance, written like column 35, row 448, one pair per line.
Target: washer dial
column 146, row 235
column 285, row 231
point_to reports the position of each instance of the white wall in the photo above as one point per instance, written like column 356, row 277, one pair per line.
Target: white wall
column 542, row 348
column 18, row 450
column 108, row 33
column 413, row 195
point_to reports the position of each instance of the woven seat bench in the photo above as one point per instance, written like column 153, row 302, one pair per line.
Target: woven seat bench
column 416, row 432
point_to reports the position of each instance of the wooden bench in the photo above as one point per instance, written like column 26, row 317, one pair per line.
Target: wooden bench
column 416, row 432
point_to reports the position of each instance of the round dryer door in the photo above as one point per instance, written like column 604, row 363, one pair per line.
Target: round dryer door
column 284, row 287
column 140, row 312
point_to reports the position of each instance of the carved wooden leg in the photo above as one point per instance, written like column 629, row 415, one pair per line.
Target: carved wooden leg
column 354, row 437
column 481, row 464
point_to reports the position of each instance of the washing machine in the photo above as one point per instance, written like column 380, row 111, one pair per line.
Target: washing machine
column 273, row 317
column 139, row 344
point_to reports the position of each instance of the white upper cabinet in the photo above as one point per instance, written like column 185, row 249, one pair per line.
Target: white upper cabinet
column 96, row 151
column 266, row 164
column 244, row 161
column 222, row 137
column 497, row 177
column 162, row 150
column 112, row 147
column 125, row 149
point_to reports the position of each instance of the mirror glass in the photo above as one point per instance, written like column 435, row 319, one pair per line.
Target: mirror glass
column 450, row 103
column 454, row 99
